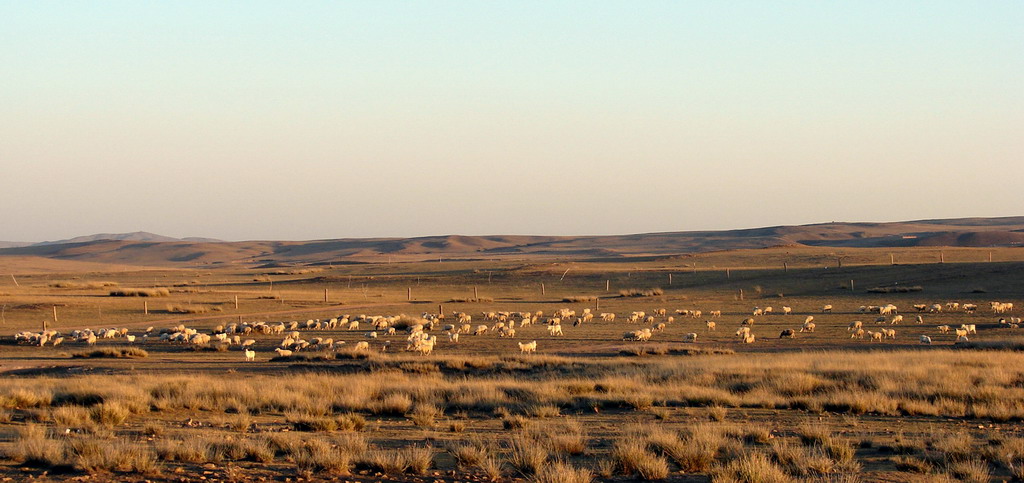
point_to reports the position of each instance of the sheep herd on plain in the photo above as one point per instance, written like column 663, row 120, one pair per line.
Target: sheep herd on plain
column 418, row 331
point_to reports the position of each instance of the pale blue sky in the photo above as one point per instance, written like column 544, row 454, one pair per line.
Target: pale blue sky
column 301, row 120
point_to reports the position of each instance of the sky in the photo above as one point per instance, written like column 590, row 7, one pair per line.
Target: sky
column 308, row 120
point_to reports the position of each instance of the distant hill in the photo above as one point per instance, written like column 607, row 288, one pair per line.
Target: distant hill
column 140, row 236
column 148, row 249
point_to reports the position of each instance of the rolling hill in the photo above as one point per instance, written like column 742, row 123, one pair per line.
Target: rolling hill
column 146, row 249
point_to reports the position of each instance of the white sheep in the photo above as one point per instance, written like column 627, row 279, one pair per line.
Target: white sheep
column 555, row 330
column 528, row 347
column 944, row 329
column 283, row 352
column 711, row 325
column 857, row 334
column 896, row 320
column 748, row 339
column 453, row 337
column 250, row 355
column 810, row 318
column 970, row 328
column 926, row 340
column 827, row 309
column 743, row 332
column 786, row 310
column 691, row 337
column 855, row 325
column 889, row 333
column 361, row 346
column 808, row 327
column 875, row 336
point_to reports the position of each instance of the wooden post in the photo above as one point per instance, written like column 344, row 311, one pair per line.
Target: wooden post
column 476, row 295
column 145, row 307
column 271, row 285
column 488, row 278
column 16, row 284
column 990, row 256
column 236, row 302
column 694, row 267
column 326, row 298
column 785, row 267
column 942, row 257
column 741, row 294
column 440, row 310
column 851, row 285
column 607, row 285
column 408, row 293
column 727, row 274
column 670, row 279
column 44, row 325
column 892, row 259
column 598, row 301
column 542, row 291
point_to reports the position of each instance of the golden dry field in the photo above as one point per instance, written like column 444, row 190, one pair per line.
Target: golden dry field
column 587, row 405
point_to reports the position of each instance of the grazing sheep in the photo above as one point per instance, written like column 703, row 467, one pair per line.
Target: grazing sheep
column 748, row 339
column 691, row 337
column 767, row 311
column 710, row 324
column 715, row 313
column 808, row 327
column 970, row 328
column 810, row 318
column 786, row 310
column 507, row 332
column 283, row 352
column 961, row 333
column 856, row 324
column 361, row 346
column 748, row 321
column 528, row 347
column 962, row 338
column 555, row 330
column 827, row 309
column 896, row 320
column 788, row 333
column 919, row 319
column 880, row 320
column 480, row 330
column 935, row 308
column 858, row 334
column 453, row 337
column 926, row 340
column 889, row 333
column 660, row 327
column 921, row 307
column 944, row 329
column 875, row 336
column 757, row 311
column 743, row 332
column 970, row 308
column 57, row 341
column 371, row 335
column 250, row 355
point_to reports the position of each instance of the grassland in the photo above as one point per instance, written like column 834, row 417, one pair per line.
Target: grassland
column 588, row 405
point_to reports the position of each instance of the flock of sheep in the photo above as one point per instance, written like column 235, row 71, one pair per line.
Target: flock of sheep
column 419, row 339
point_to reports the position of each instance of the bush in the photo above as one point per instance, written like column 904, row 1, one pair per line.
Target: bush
column 113, row 353
column 140, row 292
column 636, row 292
